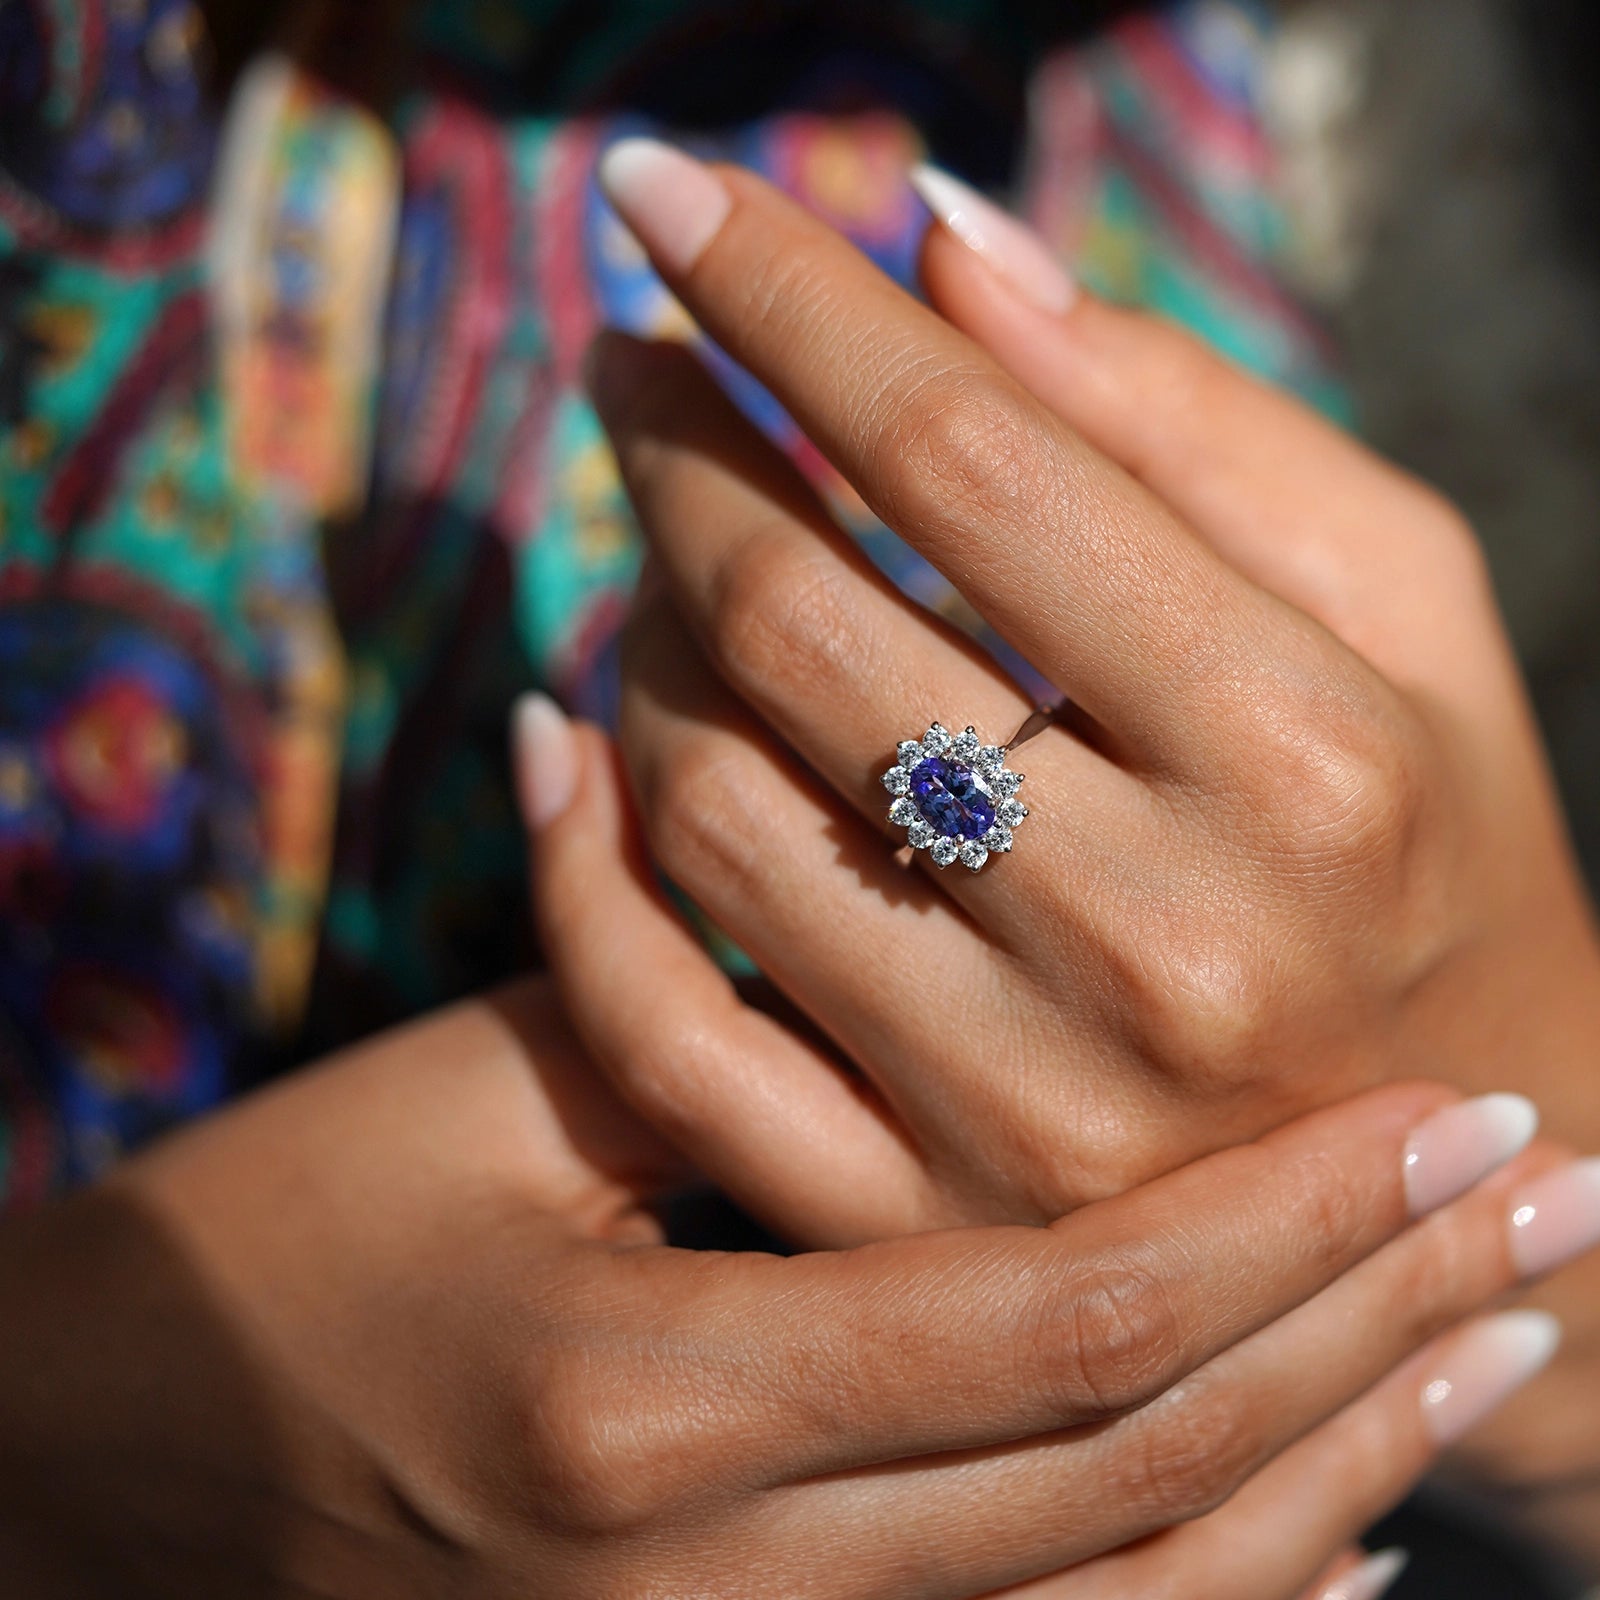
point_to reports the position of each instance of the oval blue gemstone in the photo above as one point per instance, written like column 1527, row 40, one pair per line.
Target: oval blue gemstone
column 952, row 798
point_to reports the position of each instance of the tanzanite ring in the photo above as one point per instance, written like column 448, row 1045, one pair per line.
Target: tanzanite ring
column 955, row 796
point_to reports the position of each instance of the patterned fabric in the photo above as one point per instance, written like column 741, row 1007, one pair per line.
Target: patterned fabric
column 298, row 487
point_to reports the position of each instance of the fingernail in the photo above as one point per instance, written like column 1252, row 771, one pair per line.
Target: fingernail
column 1010, row 249
column 1486, row 1365
column 545, row 756
column 1464, row 1143
column 671, row 202
column 1556, row 1218
column 1373, row 1578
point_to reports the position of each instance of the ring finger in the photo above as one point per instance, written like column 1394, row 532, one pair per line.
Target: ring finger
column 887, row 965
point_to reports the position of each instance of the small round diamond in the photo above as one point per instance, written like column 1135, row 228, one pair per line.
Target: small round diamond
column 964, row 747
column 1005, row 784
column 904, row 812
column 990, row 759
column 945, row 851
column 897, row 780
column 920, row 835
column 974, row 854
column 998, row 840
column 935, row 741
column 1010, row 812
column 909, row 753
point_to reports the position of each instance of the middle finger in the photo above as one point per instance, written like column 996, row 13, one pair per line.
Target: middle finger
column 1086, row 573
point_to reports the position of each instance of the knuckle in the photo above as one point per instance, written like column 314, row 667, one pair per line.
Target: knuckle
column 1122, row 1331
column 1190, row 1458
column 693, row 803
column 1349, row 782
column 791, row 294
column 1206, row 994
column 779, row 618
column 957, row 439
column 1334, row 1206
column 664, row 1072
column 1180, row 375
column 587, row 1435
column 1448, row 1271
column 1168, row 392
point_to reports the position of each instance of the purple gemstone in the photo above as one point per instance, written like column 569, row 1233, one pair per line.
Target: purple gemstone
column 953, row 799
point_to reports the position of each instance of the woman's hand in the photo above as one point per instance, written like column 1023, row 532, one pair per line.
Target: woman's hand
column 403, row 1327
column 1290, row 846
column 1298, row 836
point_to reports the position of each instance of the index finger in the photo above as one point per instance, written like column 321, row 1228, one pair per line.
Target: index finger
column 1083, row 570
column 975, row 1337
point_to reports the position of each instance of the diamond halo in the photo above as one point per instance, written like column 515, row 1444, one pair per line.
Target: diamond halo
column 955, row 797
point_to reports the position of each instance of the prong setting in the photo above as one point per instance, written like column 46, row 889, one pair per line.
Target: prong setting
column 964, row 747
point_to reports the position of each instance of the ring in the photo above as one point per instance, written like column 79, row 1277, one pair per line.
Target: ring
column 955, row 796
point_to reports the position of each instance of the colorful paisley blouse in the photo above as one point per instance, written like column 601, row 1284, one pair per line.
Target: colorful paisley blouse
column 298, row 486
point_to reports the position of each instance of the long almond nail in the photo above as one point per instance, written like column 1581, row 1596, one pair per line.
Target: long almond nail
column 1461, row 1145
column 1008, row 248
column 545, row 758
column 671, row 202
column 1485, row 1366
column 1556, row 1218
column 1374, row 1578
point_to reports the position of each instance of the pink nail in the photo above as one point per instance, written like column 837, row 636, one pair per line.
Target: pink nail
column 1461, row 1145
column 1374, row 1578
column 1485, row 1366
column 1556, row 1218
column 1010, row 250
column 545, row 759
column 672, row 203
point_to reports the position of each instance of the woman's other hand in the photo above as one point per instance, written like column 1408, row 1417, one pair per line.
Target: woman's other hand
column 404, row 1326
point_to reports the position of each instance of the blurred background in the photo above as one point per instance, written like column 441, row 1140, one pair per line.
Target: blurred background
column 298, row 487
column 1441, row 162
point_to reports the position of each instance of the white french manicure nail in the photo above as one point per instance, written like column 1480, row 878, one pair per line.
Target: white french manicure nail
column 1010, row 249
column 1461, row 1145
column 545, row 759
column 1556, row 1218
column 1372, row 1579
column 672, row 203
column 1485, row 1366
